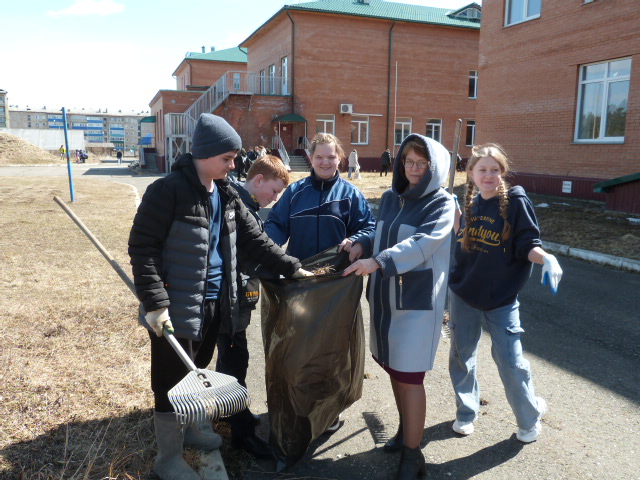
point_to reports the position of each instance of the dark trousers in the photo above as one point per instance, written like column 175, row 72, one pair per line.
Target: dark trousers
column 385, row 169
column 167, row 369
column 233, row 359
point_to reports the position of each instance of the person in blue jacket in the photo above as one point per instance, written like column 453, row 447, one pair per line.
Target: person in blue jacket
column 321, row 210
column 408, row 259
column 498, row 242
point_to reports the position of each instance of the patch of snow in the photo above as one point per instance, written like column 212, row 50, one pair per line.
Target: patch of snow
column 542, row 205
column 634, row 221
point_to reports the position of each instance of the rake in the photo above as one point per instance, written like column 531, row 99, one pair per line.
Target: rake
column 202, row 394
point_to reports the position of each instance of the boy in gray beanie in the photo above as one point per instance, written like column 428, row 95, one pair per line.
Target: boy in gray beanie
column 183, row 245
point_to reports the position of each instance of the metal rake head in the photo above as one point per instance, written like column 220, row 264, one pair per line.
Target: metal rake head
column 204, row 395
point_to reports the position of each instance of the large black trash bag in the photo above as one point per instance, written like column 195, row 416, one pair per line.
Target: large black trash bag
column 314, row 350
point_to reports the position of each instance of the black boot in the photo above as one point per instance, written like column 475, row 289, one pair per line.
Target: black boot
column 412, row 464
column 394, row 444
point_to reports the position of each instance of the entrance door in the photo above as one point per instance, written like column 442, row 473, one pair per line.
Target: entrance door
column 286, row 134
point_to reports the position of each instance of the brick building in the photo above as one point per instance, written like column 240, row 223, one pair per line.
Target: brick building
column 369, row 71
column 560, row 91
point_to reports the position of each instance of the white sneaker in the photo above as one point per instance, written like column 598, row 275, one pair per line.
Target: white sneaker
column 528, row 436
column 463, row 428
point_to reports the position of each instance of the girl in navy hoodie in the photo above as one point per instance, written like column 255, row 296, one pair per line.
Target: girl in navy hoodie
column 497, row 245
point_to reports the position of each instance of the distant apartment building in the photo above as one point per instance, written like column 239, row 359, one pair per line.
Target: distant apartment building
column 560, row 91
column 124, row 131
column 368, row 71
column 4, row 110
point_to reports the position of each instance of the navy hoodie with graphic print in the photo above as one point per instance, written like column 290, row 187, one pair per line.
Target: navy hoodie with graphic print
column 493, row 272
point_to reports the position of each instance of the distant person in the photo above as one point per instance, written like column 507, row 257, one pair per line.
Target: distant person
column 63, row 151
column 497, row 245
column 239, row 164
column 266, row 179
column 77, row 155
column 119, row 157
column 353, row 162
column 386, row 162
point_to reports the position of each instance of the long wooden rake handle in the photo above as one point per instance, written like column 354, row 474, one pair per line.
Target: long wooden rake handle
column 123, row 275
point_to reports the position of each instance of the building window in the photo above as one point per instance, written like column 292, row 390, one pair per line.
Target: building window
column 285, row 76
column 326, row 124
column 236, row 81
column 402, row 129
column 272, row 79
column 471, row 133
column 473, row 84
column 263, row 87
column 434, row 129
column 603, row 100
column 522, row 10
column 359, row 130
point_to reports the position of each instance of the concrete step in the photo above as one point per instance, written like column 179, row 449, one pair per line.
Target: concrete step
column 297, row 163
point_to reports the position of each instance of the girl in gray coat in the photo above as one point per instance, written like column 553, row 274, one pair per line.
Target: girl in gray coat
column 408, row 259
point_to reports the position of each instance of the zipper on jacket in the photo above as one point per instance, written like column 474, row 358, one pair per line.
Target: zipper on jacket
column 400, row 281
column 318, row 219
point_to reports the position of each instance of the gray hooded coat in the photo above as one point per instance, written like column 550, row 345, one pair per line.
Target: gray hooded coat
column 411, row 242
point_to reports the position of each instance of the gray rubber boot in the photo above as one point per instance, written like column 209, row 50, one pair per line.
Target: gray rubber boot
column 202, row 437
column 170, row 465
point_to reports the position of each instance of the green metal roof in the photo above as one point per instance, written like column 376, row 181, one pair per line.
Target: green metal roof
column 149, row 119
column 391, row 10
column 290, row 117
column 607, row 184
column 235, row 54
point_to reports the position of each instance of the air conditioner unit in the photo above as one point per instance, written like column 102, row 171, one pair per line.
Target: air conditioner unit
column 346, row 108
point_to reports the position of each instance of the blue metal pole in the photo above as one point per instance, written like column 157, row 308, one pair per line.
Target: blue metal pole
column 66, row 144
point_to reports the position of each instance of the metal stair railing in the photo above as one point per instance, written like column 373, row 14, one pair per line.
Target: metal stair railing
column 278, row 144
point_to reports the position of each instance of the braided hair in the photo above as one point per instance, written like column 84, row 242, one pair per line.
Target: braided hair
column 496, row 152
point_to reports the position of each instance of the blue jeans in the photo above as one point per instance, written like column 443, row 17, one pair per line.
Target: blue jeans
column 503, row 325
column 351, row 170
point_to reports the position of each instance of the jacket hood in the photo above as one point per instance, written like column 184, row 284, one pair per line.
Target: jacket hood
column 433, row 178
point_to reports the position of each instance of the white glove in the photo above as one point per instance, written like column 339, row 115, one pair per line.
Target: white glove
column 159, row 319
column 551, row 273
column 301, row 272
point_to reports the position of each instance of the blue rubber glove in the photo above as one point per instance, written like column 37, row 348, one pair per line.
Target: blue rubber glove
column 551, row 273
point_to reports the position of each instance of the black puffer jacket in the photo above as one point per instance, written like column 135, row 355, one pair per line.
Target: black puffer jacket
column 169, row 247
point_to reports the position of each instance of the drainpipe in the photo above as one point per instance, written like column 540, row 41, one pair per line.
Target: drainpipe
column 293, row 62
column 389, row 84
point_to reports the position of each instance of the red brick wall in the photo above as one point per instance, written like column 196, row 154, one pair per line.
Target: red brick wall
column 528, row 83
column 252, row 117
column 204, row 72
column 341, row 59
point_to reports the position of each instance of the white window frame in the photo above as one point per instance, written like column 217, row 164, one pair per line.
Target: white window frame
column 436, row 124
column 284, row 66
column 326, row 121
column 525, row 17
column 357, row 123
column 404, row 125
column 606, row 82
column 473, row 84
column 263, row 78
column 272, row 79
column 470, row 133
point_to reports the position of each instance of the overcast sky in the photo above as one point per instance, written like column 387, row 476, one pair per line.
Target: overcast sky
column 117, row 54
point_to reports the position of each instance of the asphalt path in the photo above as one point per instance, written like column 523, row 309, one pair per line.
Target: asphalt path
column 584, row 347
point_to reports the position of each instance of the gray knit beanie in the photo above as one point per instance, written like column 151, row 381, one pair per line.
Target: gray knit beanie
column 213, row 136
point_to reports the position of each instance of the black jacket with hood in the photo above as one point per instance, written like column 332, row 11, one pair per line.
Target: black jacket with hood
column 169, row 248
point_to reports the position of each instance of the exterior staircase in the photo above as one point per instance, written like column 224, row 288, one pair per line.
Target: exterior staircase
column 297, row 163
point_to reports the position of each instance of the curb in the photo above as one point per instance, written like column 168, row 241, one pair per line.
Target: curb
column 599, row 258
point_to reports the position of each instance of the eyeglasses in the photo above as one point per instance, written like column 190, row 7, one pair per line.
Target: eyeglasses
column 409, row 164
